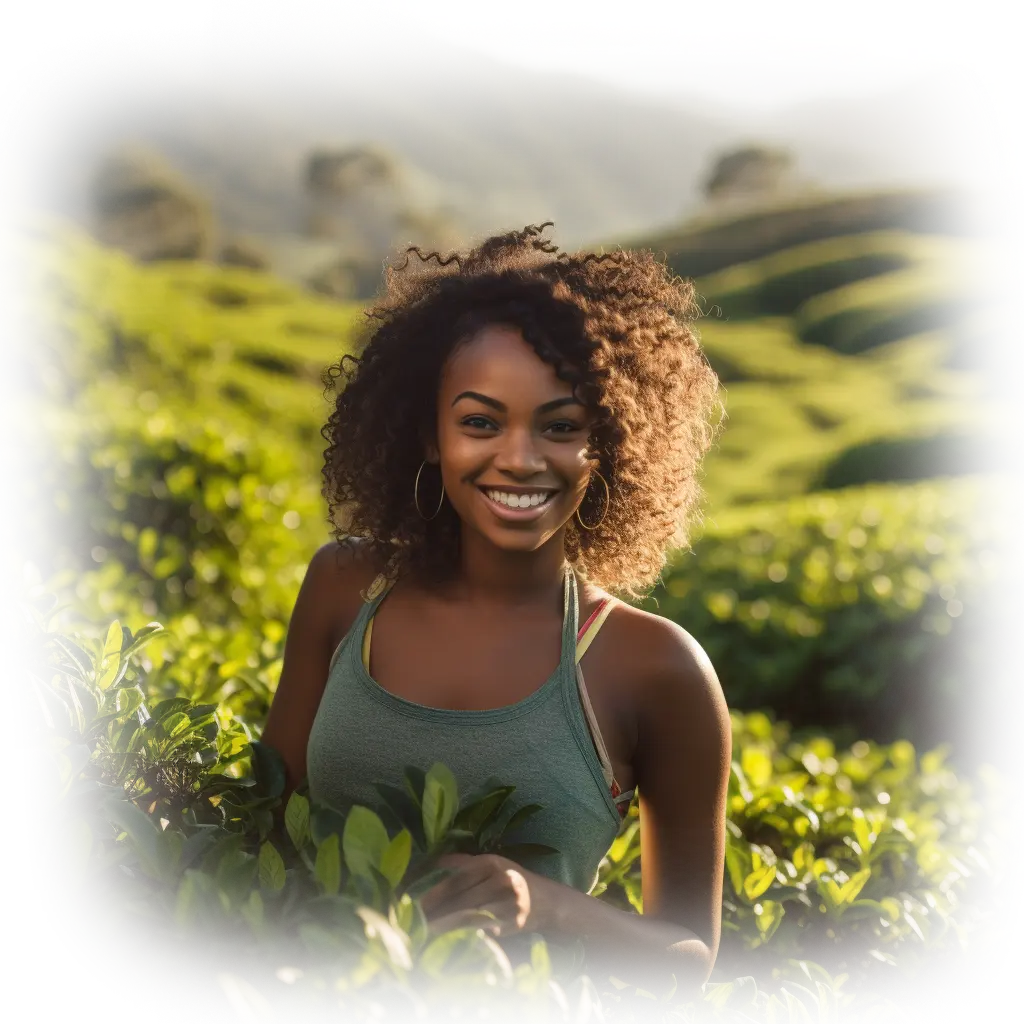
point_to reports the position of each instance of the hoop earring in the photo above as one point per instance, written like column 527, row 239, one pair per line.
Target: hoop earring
column 416, row 496
column 607, row 502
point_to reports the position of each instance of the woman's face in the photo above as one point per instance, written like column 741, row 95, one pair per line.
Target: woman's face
column 512, row 440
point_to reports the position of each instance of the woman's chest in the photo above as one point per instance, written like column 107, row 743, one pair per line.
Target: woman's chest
column 478, row 662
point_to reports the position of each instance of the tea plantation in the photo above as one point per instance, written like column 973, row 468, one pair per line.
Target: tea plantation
column 180, row 408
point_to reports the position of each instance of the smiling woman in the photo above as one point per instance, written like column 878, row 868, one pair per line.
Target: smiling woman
column 522, row 429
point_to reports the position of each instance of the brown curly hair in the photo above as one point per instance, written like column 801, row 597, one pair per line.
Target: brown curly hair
column 617, row 327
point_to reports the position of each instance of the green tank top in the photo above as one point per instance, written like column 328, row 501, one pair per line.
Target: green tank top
column 363, row 734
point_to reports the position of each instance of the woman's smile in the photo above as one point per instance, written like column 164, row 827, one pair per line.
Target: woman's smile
column 517, row 505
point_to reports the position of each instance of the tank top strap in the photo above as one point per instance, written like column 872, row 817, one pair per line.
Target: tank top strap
column 570, row 623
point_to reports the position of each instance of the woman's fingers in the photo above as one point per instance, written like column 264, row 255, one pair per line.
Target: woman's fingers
column 479, row 917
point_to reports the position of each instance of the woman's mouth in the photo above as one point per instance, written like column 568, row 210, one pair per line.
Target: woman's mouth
column 517, row 506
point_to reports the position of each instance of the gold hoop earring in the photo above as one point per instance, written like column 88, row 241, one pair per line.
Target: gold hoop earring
column 607, row 502
column 416, row 495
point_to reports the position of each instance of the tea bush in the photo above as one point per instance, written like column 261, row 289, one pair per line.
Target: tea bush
column 724, row 237
column 858, row 859
column 225, row 335
column 952, row 450
column 193, row 514
column 861, row 608
column 780, row 283
column 952, row 280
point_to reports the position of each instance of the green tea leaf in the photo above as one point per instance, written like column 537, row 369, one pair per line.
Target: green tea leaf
column 113, row 640
column 395, row 858
column 744, row 992
column 799, row 1011
column 769, row 919
column 364, row 841
column 296, row 820
column 53, row 708
column 850, row 890
column 473, row 816
column 271, row 867
column 718, row 993
column 440, row 802
column 328, row 865
column 778, row 1011
column 758, row 881
column 415, row 781
column 521, row 815
column 827, row 1005
column 395, row 943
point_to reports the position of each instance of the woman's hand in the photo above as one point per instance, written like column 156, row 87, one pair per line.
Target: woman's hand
column 484, row 885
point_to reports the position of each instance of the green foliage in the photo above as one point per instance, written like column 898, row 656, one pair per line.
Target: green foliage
column 186, row 511
column 79, row 317
column 724, row 238
column 860, row 608
column 944, row 452
column 858, row 859
column 850, row 293
column 864, row 314
column 780, row 283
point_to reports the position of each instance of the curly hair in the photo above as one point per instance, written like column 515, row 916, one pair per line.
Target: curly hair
column 617, row 327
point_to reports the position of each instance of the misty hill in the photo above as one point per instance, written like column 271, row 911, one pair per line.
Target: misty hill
column 498, row 146
column 940, row 126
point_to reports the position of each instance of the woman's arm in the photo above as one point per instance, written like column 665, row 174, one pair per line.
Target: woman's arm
column 684, row 750
column 327, row 604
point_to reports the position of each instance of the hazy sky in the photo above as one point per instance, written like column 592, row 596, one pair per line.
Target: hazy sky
column 744, row 77
column 745, row 52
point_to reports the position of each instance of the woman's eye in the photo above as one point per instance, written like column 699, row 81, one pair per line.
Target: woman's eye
column 483, row 423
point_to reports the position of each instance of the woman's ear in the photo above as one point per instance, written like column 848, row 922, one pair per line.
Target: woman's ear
column 430, row 452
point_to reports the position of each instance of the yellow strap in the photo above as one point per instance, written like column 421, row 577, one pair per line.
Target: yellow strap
column 581, row 646
column 585, row 641
column 366, row 645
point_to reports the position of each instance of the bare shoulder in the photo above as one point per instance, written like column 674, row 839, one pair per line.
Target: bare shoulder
column 673, row 678
column 662, row 649
column 336, row 580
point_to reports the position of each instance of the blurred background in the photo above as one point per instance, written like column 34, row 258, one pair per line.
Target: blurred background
column 209, row 197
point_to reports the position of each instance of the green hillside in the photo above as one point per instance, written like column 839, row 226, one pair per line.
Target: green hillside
column 175, row 421
column 246, row 342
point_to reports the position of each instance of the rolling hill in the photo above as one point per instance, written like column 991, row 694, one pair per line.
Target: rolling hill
column 501, row 144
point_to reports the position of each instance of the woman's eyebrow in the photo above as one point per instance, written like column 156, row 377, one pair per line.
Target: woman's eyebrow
column 556, row 403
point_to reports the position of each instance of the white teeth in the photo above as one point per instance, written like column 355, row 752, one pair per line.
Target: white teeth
column 517, row 500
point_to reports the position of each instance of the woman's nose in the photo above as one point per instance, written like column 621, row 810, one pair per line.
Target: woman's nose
column 519, row 453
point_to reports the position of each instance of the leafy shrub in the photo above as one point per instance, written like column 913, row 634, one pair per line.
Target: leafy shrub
column 82, row 317
column 859, row 609
column 952, row 280
column 723, row 239
column 777, row 285
column 907, row 458
column 859, row 857
column 74, row 310
column 188, row 511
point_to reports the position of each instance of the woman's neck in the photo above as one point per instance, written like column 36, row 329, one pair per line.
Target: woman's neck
column 490, row 575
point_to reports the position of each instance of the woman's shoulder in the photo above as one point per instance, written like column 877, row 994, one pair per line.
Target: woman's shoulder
column 337, row 579
column 666, row 662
